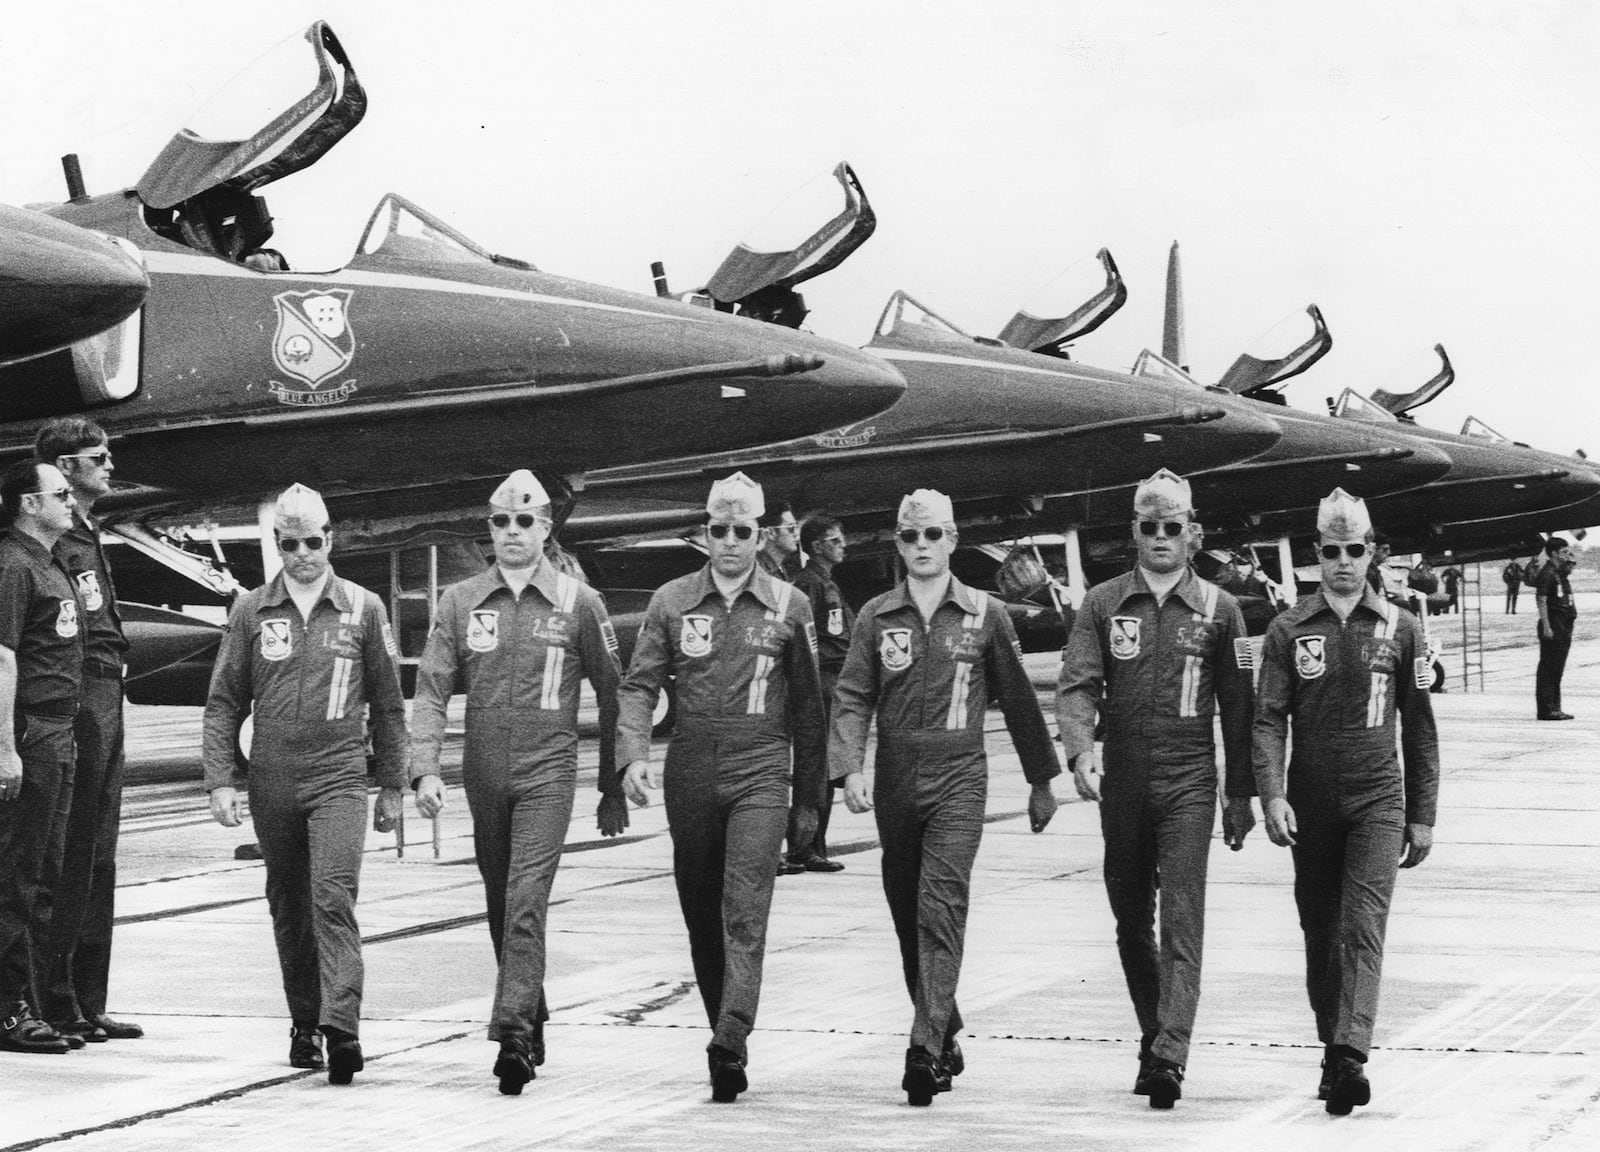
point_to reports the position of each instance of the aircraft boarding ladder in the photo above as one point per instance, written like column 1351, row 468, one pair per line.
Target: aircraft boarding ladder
column 1469, row 603
column 413, row 595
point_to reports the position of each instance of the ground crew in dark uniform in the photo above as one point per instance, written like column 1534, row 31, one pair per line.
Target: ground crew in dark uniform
column 1557, row 617
column 741, row 648
column 309, row 653
column 518, row 640
column 927, row 656
column 1344, row 664
column 822, row 539
column 41, row 676
column 1160, row 651
column 77, row 958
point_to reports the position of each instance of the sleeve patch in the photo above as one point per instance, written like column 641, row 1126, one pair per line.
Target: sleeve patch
column 811, row 636
column 608, row 633
column 1422, row 672
column 388, row 641
column 1244, row 656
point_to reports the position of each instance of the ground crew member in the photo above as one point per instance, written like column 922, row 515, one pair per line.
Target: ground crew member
column 309, row 653
column 518, row 639
column 780, row 544
column 77, row 957
column 927, row 656
column 1344, row 663
column 742, row 650
column 1557, row 616
column 41, row 675
column 1165, row 650
column 822, row 539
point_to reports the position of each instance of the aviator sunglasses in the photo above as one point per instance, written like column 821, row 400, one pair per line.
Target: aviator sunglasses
column 740, row 531
column 1168, row 528
column 909, row 535
column 525, row 520
column 292, row 543
column 1354, row 551
column 100, row 457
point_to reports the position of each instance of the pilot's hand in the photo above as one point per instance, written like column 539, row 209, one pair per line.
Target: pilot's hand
column 1280, row 822
column 639, row 776
column 1084, row 773
column 1041, row 806
column 1418, row 843
column 612, row 815
column 1237, row 820
column 225, row 806
column 386, row 811
column 1544, row 630
column 429, row 793
column 10, row 775
column 856, row 797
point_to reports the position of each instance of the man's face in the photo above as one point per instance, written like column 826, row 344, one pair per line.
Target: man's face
column 88, row 470
column 923, row 557
column 830, row 548
column 53, row 503
column 304, row 548
column 784, row 537
column 1567, row 559
column 518, row 537
column 732, row 544
column 1163, row 542
column 1342, row 573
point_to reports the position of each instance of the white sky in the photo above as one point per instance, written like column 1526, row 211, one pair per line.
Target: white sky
column 1426, row 171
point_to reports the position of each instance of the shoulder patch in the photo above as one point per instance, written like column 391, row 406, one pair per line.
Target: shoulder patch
column 811, row 636
column 389, row 645
column 1244, row 656
column 608, row 633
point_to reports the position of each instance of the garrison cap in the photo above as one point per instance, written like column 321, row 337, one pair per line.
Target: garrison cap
column 1165, row 494
column 300, row 505
column 926, row 506
column 520, row 492
column 1342, row 516
column 736, row 497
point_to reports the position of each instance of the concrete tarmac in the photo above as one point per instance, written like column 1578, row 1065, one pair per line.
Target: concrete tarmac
column 1488, row 1035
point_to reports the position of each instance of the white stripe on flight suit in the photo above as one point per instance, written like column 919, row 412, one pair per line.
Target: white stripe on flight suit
column 1378, row 694
column 1189, row 698
column 343, row 666
column 757, row 705
column 555, row 656
column 961, row 682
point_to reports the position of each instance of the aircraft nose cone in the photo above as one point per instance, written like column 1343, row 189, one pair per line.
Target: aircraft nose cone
column 60, row 284
column 854, row 384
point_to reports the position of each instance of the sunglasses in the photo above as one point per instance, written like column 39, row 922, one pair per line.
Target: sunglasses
column 293, row 543
column 910, row 535
column 100, row 457
column 525, row 520
column 1334, row 551
column 740, row 531
column 62, row 494
column 1171, row 529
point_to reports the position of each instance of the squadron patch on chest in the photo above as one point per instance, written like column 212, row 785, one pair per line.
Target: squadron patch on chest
column 1310, row 656
column 483, row 629
column 835, row 621
column 894, row 648
column 67, row 619
column 89, row 589
column 695, row 637
column 1125, row 637
column 277, row 640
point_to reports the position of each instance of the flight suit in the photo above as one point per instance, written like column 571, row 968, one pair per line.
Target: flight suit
column 77, row 958
column 931, row 686
column 1163, row 670
column 747, row 690
column 1344, row 684
column 310, row 685
column 833, row 622
column 1562, row 613
column 521, row 661
column 40, row 621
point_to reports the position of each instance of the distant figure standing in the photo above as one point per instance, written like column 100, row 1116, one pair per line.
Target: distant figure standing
column 1451, row 579
column 1512, row 575
column 1557, row 614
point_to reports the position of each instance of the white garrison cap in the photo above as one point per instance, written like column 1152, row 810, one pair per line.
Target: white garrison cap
column 736, row 497
column 300, row 505
column 1342, row 516
column 926, row 506
column 520, row 492
column 1165, row 494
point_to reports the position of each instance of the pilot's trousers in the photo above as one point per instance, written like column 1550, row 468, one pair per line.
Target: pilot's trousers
column 1552, row 666
column 1158, row 802
column 928, row 791
column 727, row 799
column 32, row 831
column 1349, row 807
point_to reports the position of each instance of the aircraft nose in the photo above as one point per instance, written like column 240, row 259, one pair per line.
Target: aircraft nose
column 60, row 284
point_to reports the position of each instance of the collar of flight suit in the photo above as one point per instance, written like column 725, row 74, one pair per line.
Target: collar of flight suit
column 32, row 546
column 1186, row 589
column 489, row 581
column 958, row 594
column 759, row 586
column 1317, row 602
column 277, row 592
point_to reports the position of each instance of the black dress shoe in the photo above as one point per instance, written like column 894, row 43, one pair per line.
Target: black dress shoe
column 727, row 1074
column 1141, row 1082
column 1349, row 1086
column 1565, row 716
column 1165, row 1083
column 925, row 1077
column 1329, row 1062
column 789, row 868
column 117, row 1029
column 816, row 863
column 951, row 1058
column 305, row 1047
column 344, row 1056
column 20, row 1031
column 85, row 1030
column 514, row 1065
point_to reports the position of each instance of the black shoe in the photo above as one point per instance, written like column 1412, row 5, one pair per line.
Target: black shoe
column 85, row 1030
column 344, row 1056
column 514, row 1065
column 951, row 1058
column 1554, row 716
column 305, row 1047
column 536, row 1043
column 1165, row 1083
column 789, row 868
column 1329, row 1062
column 1564, row 716
column 1141, row 1082
column 924, row 1078
column 116, row 1029
column 727, row 1074
column 816, row 863
column 1348, row 1086
column 20, row 1031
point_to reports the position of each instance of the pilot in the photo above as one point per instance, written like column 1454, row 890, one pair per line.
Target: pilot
column 309, row 653
column 1159, row 651
column 41, row 676
column 518, row 640
column 1557, row 615
column 740, row 645
column 927, row 656
column 77, row 957
column 1344, row 663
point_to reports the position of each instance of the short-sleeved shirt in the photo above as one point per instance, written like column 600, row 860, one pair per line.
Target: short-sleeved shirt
column 833, row 618
column 41, row 620
column 1554, row 587
column 84, row 559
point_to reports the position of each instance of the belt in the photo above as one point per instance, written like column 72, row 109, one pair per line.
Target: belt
column 97, row 671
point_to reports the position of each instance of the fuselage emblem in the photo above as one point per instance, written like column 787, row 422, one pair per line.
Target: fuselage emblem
column 313, row 343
